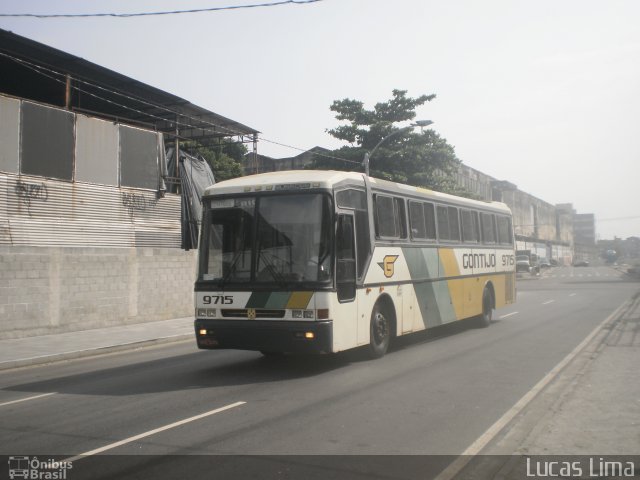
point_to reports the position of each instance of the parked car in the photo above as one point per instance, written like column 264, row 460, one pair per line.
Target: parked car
column 545, row 263
column 523, row 264
column 581, row 263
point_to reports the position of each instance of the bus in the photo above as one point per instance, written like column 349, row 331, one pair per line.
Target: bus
column 325, row 261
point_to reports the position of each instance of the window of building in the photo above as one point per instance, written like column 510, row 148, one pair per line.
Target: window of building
column 138, row 158
column 47, row 141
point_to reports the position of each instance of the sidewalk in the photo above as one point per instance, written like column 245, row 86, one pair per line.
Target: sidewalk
column 592, row 407
column 598, row 413
column 21, row 352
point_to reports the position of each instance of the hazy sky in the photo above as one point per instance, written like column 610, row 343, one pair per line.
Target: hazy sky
column 544, row 94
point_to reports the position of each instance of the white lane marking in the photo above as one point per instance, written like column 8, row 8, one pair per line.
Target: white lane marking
column 152, row 432
column 476, row 447
column 27, row 399
column 548, row 302
column 572, row 294
column 508, row 315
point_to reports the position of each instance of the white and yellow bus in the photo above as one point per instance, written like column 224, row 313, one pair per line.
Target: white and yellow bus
column 324, row 261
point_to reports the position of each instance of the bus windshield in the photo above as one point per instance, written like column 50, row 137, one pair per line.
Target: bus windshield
column 273, row 239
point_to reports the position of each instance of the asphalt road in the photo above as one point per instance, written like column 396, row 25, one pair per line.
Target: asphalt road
column 434, row 393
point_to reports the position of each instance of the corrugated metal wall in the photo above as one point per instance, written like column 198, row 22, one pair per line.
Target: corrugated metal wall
column 37, row 210
column 43, row 212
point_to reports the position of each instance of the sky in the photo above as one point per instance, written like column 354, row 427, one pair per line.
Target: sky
column 543, row 94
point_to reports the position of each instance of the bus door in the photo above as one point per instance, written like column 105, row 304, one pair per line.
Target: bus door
column 345, row 323
column 346, row 258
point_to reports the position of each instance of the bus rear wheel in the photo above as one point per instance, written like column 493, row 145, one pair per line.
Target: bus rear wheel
column 484, row 319
column 380, row 332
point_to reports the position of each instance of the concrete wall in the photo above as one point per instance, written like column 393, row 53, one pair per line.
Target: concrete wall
column 57, row 289
column 532, row 217
column 475, row 181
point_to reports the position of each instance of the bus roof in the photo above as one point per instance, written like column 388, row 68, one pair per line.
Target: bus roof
column 289, row 179
column 317, row 179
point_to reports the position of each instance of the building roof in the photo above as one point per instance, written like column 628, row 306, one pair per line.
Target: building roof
column 35, row 71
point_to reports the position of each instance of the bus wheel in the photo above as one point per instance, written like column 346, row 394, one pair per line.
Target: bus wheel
column 484, row 320
column 380, row 331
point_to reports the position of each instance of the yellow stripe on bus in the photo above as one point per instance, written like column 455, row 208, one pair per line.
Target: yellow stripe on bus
column 299, row 299
column 449, row 263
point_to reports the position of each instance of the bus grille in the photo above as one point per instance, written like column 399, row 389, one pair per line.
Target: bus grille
column 260, row 313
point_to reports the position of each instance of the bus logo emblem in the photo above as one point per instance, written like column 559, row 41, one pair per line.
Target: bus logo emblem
column 251, row 313
column 387, row 265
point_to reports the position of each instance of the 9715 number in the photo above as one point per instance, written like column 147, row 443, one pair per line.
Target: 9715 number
column 217, row 299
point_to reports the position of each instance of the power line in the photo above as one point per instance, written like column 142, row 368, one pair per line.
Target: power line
column 41, row 70
column 148, row 14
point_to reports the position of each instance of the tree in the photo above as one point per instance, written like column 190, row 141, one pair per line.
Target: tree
column 418, row 158
column 224, row 158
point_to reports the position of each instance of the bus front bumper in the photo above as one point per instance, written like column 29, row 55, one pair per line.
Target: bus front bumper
column 265, row 335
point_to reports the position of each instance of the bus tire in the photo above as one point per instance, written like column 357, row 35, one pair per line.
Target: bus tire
column 380, row 332
column 484, row 319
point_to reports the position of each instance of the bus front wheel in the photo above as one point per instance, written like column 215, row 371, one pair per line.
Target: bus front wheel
column 380, row 332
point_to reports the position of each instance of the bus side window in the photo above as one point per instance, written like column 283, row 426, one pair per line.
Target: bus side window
column 385, row 217
column 454, row 224
column 357, row 200
column 504, row 230
column 469, row 226
column 443, row 223
column 416, row 220
column 400, row 218
column 488, row 228
column 430, row 220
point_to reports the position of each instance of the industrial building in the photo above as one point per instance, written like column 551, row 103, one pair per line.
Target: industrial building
column 94, row 220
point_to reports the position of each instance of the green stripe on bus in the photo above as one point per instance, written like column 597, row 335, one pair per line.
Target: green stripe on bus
column 278, row 300
column 433, row 298
column 258, row 299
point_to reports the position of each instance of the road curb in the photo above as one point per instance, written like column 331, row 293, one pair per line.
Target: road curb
column 91, row 352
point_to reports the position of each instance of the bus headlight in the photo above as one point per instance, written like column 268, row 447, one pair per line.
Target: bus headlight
column 206, row 312
column 308, row 314
column 296, row 313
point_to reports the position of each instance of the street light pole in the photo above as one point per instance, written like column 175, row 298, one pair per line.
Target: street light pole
column 367, row 155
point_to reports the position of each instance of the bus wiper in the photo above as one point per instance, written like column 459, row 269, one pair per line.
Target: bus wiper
column 277, row 276
column 234, row 260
